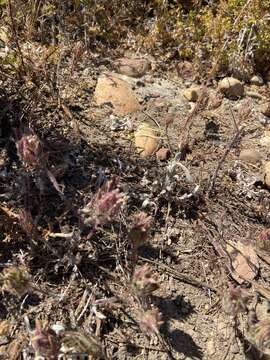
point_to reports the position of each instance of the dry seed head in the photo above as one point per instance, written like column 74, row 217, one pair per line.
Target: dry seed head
column 235, row 300
column 29, row 149
column 139, row 229
column 150, row 322
column 45, row 341
column 144, row 281
column 108, row 206
column 105, row 206
column 79, row 342
column 15, row 280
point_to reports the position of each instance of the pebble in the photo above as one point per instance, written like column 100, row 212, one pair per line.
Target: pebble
column 163, row 154
column 256, row 80
column 265, row 109
column 192, row 94
column 250, row 156
column 231, row 87
column 132, row 67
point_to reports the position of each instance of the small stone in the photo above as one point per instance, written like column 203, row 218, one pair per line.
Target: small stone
column 265, row 109
column 256, row 80
column 211, row 348
column 132, row 67
column 192, row 106
column 185, row 70
column 192, row 94
column 267, row 174
column 250, row 156
column 231, row 87
column 163, row 154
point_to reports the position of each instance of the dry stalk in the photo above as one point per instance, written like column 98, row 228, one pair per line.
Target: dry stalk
column 234, row 140
column 223, row 48
column 200, row 105
column 15, row 34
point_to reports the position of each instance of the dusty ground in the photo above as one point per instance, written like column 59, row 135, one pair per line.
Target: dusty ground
column 89, row 144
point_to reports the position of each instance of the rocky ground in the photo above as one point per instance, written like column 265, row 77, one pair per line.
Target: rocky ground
column 195, row 158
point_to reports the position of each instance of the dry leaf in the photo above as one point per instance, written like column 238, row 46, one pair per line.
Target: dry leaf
column 146, row 140
column 244, row 261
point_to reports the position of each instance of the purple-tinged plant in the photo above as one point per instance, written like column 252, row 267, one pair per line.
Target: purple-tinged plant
column 45, row 341
column 235, row 300
column 150, row 322
column 104, row 207
column 143, row 281
column 30, row 151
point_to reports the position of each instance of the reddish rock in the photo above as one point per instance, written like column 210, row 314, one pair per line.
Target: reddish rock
column 112, row 89
column 163, row 154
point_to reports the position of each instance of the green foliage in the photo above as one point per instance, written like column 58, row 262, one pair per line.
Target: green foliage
column 190, row 27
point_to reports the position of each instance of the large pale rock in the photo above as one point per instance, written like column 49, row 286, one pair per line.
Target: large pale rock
column 231, row 87
column 132, row 67
column 146, row 140
column 111, row 89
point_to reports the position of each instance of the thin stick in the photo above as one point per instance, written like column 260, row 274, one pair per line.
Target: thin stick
column 236, row 137
column 183, row 145
column 152, row 118
column 180, row 277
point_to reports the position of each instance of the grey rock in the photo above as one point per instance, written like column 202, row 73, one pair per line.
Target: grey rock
column 231, row 87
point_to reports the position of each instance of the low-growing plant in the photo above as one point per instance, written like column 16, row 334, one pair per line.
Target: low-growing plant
column 144, row 281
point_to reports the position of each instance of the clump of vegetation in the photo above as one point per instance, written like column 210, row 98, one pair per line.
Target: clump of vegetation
column 233, row 34
column 81, row 236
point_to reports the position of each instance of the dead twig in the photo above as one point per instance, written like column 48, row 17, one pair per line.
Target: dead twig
column 180, row 277
column 234, row 140
column 201, row 104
